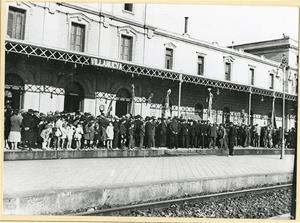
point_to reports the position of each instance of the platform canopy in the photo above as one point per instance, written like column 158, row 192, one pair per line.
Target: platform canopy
column 20, row 47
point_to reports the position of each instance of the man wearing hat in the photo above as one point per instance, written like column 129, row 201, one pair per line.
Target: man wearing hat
column 137, row 123
column 232, row 134
column 185, row 134
column 27, row 129
column 150, row 132
column 162, row 129
column 174, row 130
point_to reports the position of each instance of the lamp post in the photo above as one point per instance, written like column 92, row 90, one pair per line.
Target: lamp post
column 284, row 66
column 179, row 93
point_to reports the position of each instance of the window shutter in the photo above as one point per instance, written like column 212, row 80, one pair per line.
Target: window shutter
column 122, row 48
column 10, row 21
column 72, row 41
column 82, row 37
column 18, row 26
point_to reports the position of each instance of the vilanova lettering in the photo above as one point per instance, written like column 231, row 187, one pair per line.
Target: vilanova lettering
column 106, row 63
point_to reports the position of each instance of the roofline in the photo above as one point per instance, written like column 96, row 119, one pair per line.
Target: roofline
column 264, row 41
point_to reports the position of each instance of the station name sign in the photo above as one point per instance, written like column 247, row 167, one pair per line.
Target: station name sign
column 106, row 63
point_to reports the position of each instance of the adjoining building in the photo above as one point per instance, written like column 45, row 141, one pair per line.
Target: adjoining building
column 79, row 56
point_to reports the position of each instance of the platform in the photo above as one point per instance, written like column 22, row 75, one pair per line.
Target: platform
column 38, row 154
column 60, row 186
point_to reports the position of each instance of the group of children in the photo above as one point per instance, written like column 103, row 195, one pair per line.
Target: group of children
column 64, row 135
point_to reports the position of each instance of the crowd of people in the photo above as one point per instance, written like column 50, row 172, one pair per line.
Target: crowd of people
column 68, row 131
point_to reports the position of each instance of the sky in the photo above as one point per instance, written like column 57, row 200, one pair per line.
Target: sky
column 224, row 24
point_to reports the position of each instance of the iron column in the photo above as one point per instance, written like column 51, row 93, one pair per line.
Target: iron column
column 179, row 93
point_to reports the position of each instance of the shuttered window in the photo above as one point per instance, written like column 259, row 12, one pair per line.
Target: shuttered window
column 169, row 58
column 200, row 65
column 77, row 37
column 16, row 23
column 251, row 76
column 227, row 71
column 128, row 7
column 126, row 48
column 271, row 81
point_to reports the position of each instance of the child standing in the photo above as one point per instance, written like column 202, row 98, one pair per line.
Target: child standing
column 70, row 132
column 110, row 135
column 63, row 135
column 46, row 136
column 78, row 136
column 131, row 136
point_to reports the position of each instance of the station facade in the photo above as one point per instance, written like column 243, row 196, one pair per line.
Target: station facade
column 82, row 57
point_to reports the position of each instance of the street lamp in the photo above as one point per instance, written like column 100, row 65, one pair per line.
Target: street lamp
column 284, row 66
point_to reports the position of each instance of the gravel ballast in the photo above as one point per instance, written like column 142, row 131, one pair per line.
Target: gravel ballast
column 262, row 205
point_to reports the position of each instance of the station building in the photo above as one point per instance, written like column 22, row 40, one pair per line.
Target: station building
column 79, row 56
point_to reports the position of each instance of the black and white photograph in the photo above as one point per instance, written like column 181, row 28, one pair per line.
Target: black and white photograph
column 149, row 110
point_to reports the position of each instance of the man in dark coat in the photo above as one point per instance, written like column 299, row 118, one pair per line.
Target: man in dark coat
column 247, row 136
column 174, row 130
column 7, row 115
column 192, row 133
column 185, row 134
column 205, row 134
column 150, row 132
column 232, row 134
column 293, row 138
column 142, row 134
column 212, row 134
column 137, row 123
column 122, row 133
column 36, row 135
column 162, row 128
column 116, row 133
column 198, row 135
column 28, row 124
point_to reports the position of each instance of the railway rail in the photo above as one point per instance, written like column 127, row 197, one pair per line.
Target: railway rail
column 191, row 199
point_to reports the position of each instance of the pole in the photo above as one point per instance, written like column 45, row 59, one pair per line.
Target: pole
column 283, row 112
column 179, row 94
column 249, row 107
column 273, row 111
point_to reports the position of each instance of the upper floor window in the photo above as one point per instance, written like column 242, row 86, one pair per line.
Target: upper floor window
column 16, row 23
column 227, row 71
column 271, row 81
column 77, row 37
column 169, row 58
column 200, row 65
column 252, row 76
column 126, row 48
column 128, row 7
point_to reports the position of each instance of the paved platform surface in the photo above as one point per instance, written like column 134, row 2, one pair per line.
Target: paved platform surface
column 37, row 154
column 41, row 177
column 25, row 177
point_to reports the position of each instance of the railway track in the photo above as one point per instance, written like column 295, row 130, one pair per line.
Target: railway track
column 191, row 199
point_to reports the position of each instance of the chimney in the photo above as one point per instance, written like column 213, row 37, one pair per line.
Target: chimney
column 185, row 25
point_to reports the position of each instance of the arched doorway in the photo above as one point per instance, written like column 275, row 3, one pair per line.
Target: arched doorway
column 123, row 102
column 226, row 115
column 199, row 110
column 74, row 96
column 14, row 89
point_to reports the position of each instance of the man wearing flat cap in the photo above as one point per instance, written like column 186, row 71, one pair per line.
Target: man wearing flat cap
column 232, row 133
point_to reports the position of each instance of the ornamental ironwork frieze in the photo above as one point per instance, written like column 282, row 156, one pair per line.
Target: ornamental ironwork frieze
column 131, row 68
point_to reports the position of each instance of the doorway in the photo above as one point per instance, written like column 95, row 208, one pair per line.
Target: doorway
column 74, row 96
column 14, row 91
column 123, row 102
column 226, row 115
column 199, row 110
